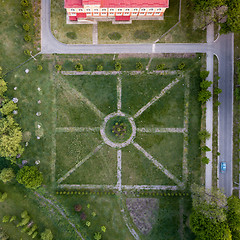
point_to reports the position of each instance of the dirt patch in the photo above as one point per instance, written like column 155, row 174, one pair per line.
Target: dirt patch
column 144, row 212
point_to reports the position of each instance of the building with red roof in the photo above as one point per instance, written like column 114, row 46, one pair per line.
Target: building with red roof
column 117, row 11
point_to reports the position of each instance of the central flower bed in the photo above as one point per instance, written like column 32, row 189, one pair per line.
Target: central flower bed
column 118, row 129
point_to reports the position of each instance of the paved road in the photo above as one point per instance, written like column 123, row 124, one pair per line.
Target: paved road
column 223, row 48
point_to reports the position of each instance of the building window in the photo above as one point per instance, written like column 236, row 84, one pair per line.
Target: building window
column 119, row 14
column 157, row 13
column 150, row 9
column 111, row 9
column 126, row 14
column 72, row 9
column 72, row 14
column 143, row 10
column 95, row 10
column 103, row 13
column 159, row 10
column 141, row 13
column 149, row 13
column 127, row 10
column 88, row 10
column 104, row 9
column 135, row 9
column 134, row 13
column 119, row 9
column 111, row 13
column 80, row 10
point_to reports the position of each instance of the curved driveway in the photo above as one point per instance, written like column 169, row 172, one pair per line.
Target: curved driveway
column 222, row 48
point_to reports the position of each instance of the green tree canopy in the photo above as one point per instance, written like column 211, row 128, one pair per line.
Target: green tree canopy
column 3, row 86
column 31, row 177
column 10, row 138
column 47, row 235
column 7, row 175
column 8, row 107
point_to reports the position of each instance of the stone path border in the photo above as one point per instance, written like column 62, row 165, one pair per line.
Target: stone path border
column 157, row 164
column 149, row 187
column 156, row 98
column 87, row 186
column 109, row 142
column 161, row 72
column 119, row 170
column 185, row 133
column 67, row 87
column 161, row 130
column 48, row 201
column 80, row 163
column 77, row 129
column 119, row 93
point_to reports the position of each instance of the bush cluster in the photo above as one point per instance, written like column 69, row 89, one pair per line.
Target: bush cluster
column 79, row 67
column 118, row 66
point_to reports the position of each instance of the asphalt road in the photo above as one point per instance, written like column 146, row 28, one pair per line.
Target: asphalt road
column 222, row 48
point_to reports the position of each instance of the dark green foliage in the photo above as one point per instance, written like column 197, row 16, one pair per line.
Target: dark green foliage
column 114, row 36
column 6, row 219
column 27, row 52
column 141, row 34
column 204, row 96
column 118, row 66
column 8, row 107
column 26, row 14
column 217, row 91
column 160, row 67
column 3, row 87
column 24, row 3
column 39, row 68
column 204, row 74
column 205, row 84
column 26, row 27
column 47, row 235
column 79, row 67
column 27, row 38
column 181, row 66
column 71, row 35
column 205, row 149
column 7, row 175
column 30, row 177
column 203, row 135
column 139, row 66
column 205, row 160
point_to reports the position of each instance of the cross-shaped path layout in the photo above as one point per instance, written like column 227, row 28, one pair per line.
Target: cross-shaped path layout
column 223, row 48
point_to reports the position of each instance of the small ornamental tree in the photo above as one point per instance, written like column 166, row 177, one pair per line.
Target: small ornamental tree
column 27, row 52
column 139, row 66
column 26, row 27
column 3, row 87
column 205, row 149
column 204, row 74
column 79, row 67
column 160, row 66
column 24, row 3
column 204, row 96
column 26, row 14
column 58, row 67
column 8, row 107
column 34, row 235
column 3, row 196
column 13, row 218
column 97, row 236
column 217, row 91
column 205, row 84
column 203, row 135
column 118, row 66
column 205, row 160
column 27, row 38
column 7, row 175
column 181, row 66
column 99, row 67
column 39, row 68
column 47, row 235
column 30, row 177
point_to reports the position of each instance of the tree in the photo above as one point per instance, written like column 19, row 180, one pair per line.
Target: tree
column 47, row 235
column 97, row 236
column 232, row 23
column 5, row 219
column 3, row 196
column 30, row 177
column 99, row 67
column 139, row 66
column 204, row 134
column 160, row 66
column 118, row 66
column 205, row 149
column 205, row 84
column 58, row 67
column 217, row 91
column 24, row 3
column 204, row 96
column 79, row 67
column 205, row 160
column 181, row 66
column 10, row 139
column 26, row 27
column 7, row 175
column 3, row 87
column 204, row 74
column 8, row 107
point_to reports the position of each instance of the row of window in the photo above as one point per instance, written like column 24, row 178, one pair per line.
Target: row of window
column 118, row 14
column 117, row 10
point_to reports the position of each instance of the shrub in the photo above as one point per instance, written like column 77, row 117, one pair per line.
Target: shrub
column 71, row 35
column 204, row 74
column 8, row 107
column 58, row 67
column 217, row 103
column 203, row 135
column 27, row 52
column 99, row 67
column 5, row 219
column 217, row 91
column 24, row 3
column 79, row 67
column 205, row 160
column 114, row 36
column 160, row 66
column 181, row 66
column 7, row 175
column 141, row 34
column 27, row 38
column 3, row 196
column 103, row 228
column 118, row 66
column 139, row 66
column 97, row 236
column 34, row 227
column 3, row 87
column 204, row 96
column 34, row 234
column 47, row 235
column 205, row 149
column 24, row 214
column 26, row 27
column 88, row 224
column 13, row 218
column 26, row 14
column 39, row 68
column 205, row 84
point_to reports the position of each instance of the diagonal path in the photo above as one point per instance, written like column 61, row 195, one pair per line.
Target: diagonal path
column 80, row 163
column 156, row 98
column 74, row 92
column 78, row 129
column 158, row 165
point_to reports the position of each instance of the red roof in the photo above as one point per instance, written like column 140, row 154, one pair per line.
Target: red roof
column 122, row 18
column 73, row 4
column 135, row 3
column 118, row 3
column 72, row 18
